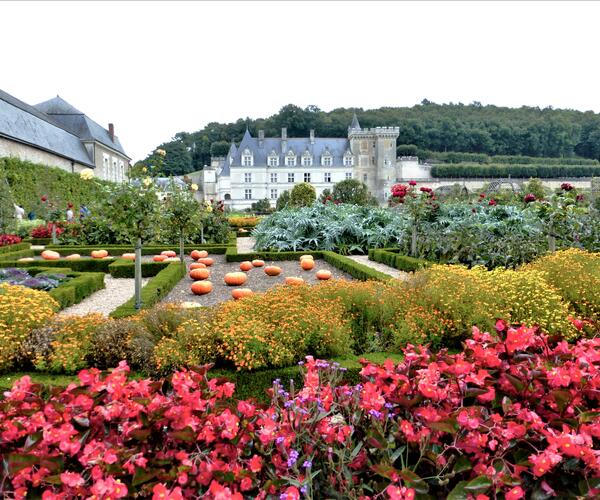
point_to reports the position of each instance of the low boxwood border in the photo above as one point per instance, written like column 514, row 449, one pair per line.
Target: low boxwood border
column 123, row 268
column 14, row 247
column 159, row 286
column 232, row 255
column 81, row 265
column 391, row 257
column 19, row 254
column 40, row 241
column 81, row 286
column 118, row 250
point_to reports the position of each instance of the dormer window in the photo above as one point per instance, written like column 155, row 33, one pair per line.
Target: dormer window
column 348, row 159
column 247, row 158
column 307, row 160
column 290, row 159
column 273, row 159
column 326, row 159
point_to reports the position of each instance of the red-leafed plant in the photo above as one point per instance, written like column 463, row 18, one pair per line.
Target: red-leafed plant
column 45, row 231
column 513, row 415
column 9, row 239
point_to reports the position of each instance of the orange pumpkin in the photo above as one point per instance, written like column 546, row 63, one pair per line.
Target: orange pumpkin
column 294, row 280
column 201, row 287
column 99, row 254
column 273, row 270
column 50, row 255
column 26, row 259
column 235, row 279
column 258, row 263
column 307, row 264
column 159, row 258
column 240, row 293
column 128, row 256
column 73, row 256
column 207, row 261
column 246, row 265
column 197, row 265
column 173, row 259
column 323, row 274
column 198, row 254
column 306, row 257
column 169, row 253
column 199, row 274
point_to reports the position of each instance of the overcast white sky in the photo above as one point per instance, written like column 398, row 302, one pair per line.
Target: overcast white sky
column 157, row 68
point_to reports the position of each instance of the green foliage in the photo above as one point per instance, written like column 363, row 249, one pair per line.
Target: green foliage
column 181, row 212
column 219, row 148
column 155, row 289
column 468, row 170
column 355, row 269
column 8, row 223
column 14, row 248
column 81, row 265
column 124, row 268
column 535, row 187
column 302, row 195
column 261, row 206
column 407, row 150
column 326, row 196
column 392, row 258
column 176, row 161
column 352, row 191
column 30, row 181
column 16, row 255
column 283, row 200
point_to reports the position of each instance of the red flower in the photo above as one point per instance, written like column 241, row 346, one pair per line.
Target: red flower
column 412, row 183
column 565, row 186
column 72, row 479
column 492, row 202
column 529, row 198
column 44, row 198
column 514, row 494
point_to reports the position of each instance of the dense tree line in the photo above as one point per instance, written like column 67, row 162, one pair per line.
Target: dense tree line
column 424, row 128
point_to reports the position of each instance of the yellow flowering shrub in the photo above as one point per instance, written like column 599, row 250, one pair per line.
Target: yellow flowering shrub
column 70, row 343
column 530, row 299
column 243, row 221
column 21, row 310
column 576, row 275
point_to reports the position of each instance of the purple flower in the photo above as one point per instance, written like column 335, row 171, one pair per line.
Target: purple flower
column 279, row 440
column 303, row 490
column 292, row 459
column 307, row 464
column 375, row 413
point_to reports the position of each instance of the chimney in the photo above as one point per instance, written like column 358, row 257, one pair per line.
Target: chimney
column 111, row 131
column 283, row 140
column 312, row 136
column 261, row 138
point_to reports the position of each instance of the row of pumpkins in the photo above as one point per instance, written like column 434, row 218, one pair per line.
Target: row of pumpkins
column 166, row 256
column 200, row 274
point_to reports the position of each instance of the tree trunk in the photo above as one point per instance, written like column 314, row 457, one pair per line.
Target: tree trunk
column 181, row 253
column 413, row 242
column 138, row 274
column 54, row 240
column 552, row 243
column 202, row 234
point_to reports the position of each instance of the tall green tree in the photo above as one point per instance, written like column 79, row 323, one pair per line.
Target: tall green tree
column 352, row 191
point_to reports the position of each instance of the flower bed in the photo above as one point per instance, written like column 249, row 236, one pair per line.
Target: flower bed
column 9, row 239
column 41, row 281
column 514, row 415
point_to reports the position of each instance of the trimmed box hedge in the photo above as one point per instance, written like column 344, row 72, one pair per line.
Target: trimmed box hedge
column 159, row 286
column 391, row 257
column 81, row 285
column 118, row 250
column 232, row 255
column 353, row 268
column 14, row 248
column 123, row 268
column 81, row 265
column 19, row 254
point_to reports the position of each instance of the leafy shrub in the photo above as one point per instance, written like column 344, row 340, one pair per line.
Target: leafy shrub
column 21, row 310
column 243, row 221
column 513, row 415
column 25, row 226
column 110, row 342
column 45, row 231
column 302, row 195
column 9, row 239
column 541, row 171
column 70, row 343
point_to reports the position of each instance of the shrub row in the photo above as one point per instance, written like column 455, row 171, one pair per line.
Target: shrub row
column 80, row 286
column 118, row 250
column 518, row 171
column 392, row 258
column 355, row 269
column 80, row 265
column 123, row 268
column 457, row 157
column 159, row 286
column 232, row 255
column 11, row 256
column 14, row 248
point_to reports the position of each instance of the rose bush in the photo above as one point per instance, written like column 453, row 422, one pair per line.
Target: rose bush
column 511, row 416
column 9, row 239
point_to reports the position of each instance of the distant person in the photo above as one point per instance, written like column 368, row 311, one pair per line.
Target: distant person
column 70, row 215
column 83, row 212
column 31, row 215
column 19, row 212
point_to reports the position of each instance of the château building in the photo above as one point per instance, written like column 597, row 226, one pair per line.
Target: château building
column 57, row 134
column 264, row 167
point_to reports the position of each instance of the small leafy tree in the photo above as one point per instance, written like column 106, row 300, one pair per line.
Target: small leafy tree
column 352, row 191
column 182, row 212
column 326, row 196
column 303, row 195
column 262, row 206
column 283, row 200
column 536, row 188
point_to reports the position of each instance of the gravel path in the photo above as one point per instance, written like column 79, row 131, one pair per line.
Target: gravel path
column 117, row 292
column 378, row 266
column 245, row 245
column 257, row 280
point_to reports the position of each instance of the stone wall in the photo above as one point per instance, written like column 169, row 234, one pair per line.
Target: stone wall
column 10, row 148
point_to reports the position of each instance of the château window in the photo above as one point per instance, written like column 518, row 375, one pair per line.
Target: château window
column 290, row 161
column 365, row 177
column 247, row 160
column 348, row 161
column 247, row 177
column 327, row 177
column 273, row 194
column 348, row 175
column 273, row 161
column 247, row 194
column 274, row 177
column 306, row 176
column 307, row 161
column 291, row 177
column 327, row 161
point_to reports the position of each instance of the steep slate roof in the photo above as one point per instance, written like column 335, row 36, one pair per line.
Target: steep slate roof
column 335, row 145
column 21, row 122
column 226, row 171
column 354, row 123
column 78, row 123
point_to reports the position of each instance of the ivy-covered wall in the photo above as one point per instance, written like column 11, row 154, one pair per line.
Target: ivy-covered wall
column 30, row 181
